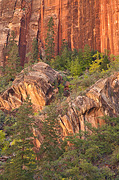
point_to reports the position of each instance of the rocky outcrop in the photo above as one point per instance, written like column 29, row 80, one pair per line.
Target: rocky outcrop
column 35, row 81
column 101, row 99
column 38, row 81
column 93, row 22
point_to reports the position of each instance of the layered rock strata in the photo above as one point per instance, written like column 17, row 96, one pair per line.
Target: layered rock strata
column 93, row 22
column 101, row 99
column 38, row 82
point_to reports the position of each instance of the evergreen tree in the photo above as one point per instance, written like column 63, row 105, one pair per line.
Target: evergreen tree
column 32, row 57
column 95, row 65
column 62, row 61
column 35, row 50
column 12, row 63
column 21, row 163
column 12, row 66
column 100, row 63
column 2, row 119
column 75, row 68
column 86, row 154
column 87, row 56
column 49, row 41
column 2, row 139
column 52, row 145
column 80, row 58
column 105, row 62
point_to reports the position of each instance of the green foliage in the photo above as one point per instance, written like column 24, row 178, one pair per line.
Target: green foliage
column 75, row 68
column 35, row 50
column 105, row 62
column 61, row 90
column 73, row 61
column 2, row 119
column 9, row 123
column 2, row 140
column 52, row 146
column 86, row 155
column 12, row 65
column 115, row 156
column 4, row 83
column 95, row 66
column 49, row 41
column 21, row 163
column 87, row 57
column 62, row 61
column 33, row 56
column 100, row 63
column 114, row 63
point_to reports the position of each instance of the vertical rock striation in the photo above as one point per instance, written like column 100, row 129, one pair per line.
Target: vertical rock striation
column 93, row 22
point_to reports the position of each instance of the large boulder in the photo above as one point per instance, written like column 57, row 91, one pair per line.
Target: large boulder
column 101, row 99
column 35, row 81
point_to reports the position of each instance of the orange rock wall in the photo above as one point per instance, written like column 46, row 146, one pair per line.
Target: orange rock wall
column 93, row 22
column 109, row 26
column 76, row 21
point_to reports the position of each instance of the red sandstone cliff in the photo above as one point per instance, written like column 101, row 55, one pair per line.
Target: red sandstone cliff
column 80, row 22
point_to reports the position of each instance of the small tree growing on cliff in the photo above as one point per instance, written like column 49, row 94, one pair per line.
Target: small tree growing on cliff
column 87, row 57
column 35, row 50
column 49, row 41
column 11, row 63
column 32, row 56
column 12, row 66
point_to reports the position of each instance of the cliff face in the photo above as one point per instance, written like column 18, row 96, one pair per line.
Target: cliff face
column 93, row 22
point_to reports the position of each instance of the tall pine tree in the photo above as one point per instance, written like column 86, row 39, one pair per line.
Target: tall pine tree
column 49, row 41
column 12, row 66
column 52, row 146
column 21, row 164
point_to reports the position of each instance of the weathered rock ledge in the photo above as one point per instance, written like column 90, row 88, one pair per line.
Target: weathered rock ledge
column 101, row 99
column 35, row 81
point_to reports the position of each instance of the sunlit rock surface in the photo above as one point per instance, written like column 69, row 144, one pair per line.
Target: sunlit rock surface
column 80, row 22
column 38, row 80
column 101, row 99
column 35, row 81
